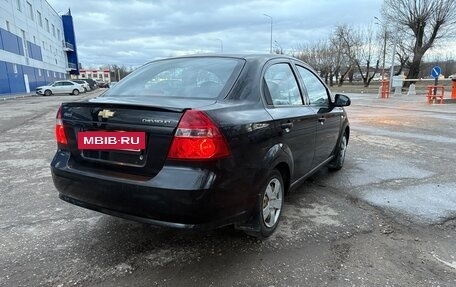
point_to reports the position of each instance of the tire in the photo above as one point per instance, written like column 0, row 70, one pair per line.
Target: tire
column 270, row 205
column 338, row 162
column 75, row 92
column 47, row 93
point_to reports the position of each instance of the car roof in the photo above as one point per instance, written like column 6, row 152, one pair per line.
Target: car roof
column 248, row 57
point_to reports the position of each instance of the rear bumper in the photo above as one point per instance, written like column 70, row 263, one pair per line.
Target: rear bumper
column 176, row 197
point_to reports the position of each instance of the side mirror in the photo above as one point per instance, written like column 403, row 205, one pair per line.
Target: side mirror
column 341, row 101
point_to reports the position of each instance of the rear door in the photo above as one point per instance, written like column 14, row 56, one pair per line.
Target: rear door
column 328, row 119
column 68, row 87
column 58, row 88
column 294, row 121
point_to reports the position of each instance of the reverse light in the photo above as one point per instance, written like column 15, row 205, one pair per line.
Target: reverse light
column 60, row 135
column 197, row 137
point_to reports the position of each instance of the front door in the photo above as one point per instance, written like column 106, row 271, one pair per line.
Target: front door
column 328, row 119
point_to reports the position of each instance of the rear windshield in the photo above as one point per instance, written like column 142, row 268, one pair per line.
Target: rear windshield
column 202, row 77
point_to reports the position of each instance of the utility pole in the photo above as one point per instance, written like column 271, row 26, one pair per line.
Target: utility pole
column 270, row 43
column 221, row 44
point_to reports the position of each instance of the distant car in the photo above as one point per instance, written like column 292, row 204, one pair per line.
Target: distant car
column 60, row 87
column 452, row 76
column 103, row 85
column 201, row 141
column 92, row 83
column 84, row 84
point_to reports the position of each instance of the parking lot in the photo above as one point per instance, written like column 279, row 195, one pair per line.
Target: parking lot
column 387, row 218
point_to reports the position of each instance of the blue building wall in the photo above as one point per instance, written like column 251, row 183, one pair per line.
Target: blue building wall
column 34, row 51
column 12, row 75
column 15, row 78
column 68, row 31
column 11, row 42
column 13, row 83
column 4, row 83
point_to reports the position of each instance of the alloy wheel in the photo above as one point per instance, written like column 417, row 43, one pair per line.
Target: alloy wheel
column 272, row 202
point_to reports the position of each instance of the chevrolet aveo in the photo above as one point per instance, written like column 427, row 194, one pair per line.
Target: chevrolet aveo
column 201, row 141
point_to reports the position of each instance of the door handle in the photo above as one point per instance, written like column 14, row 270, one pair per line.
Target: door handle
column 286, row 126
column 322, row 120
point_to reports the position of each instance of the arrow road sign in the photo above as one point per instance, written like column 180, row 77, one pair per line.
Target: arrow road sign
column 436, row 71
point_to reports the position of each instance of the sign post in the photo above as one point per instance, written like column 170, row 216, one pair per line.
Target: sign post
column 435, row 73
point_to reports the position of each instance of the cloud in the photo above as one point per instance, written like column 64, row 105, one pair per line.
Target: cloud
column 134, row 32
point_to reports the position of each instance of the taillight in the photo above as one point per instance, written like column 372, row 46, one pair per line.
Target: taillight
column 59, row 130
column 198, row 138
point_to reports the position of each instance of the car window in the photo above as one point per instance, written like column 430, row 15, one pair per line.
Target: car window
column 57, row 84
column 316, row 91
column 202, row 77
column 282, row 85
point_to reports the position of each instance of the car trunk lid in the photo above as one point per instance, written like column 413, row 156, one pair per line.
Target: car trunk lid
column 157, row 121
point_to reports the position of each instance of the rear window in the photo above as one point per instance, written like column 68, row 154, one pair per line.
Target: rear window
column 202, row 77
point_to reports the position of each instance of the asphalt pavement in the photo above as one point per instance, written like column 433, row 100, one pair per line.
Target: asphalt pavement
column 387, row 218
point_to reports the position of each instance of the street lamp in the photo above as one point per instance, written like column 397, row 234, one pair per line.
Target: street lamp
column 221, row 44
column 385, row 34
column 270, row 45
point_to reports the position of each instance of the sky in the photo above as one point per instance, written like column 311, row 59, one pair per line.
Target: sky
column 131, row 33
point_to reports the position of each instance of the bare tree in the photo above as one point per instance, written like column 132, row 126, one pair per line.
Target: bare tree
column 320, row 57
column 424, row 21
column 278, row 48
column 367, row 55
column 343, row 42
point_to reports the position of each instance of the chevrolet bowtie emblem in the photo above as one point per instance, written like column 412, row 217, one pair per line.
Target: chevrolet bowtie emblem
column 105, row 114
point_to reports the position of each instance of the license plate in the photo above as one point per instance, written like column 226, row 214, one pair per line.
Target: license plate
column 118, row 140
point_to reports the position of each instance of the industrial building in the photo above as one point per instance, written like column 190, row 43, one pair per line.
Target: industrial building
column 37, row 46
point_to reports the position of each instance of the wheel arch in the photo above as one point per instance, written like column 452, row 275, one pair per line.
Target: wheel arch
column 347, row 132
column 284, row 170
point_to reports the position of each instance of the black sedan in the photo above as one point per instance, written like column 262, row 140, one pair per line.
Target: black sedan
column 201, row 141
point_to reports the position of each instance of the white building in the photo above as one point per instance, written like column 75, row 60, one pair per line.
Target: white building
column 37, row 46
column 97, row 75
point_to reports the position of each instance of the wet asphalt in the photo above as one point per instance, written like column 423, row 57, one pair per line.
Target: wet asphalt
column 386, row 219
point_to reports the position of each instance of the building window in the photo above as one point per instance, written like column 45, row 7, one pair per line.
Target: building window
column 34, row 40
column 40, row 19
column 44, row 48
column 8, row 26
column 30, row 10
column 55, row 75
column 83, row 75
column 47, row 24
column 15, row 68
column 47, row 73
column 39, row 72
column 24, row 42
column 19, row 5
column 53, row 30
column 58, row 34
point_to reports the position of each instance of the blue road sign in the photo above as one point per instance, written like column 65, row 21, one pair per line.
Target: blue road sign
column 436, row 71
